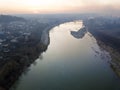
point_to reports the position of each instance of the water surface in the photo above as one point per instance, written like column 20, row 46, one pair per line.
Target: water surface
column 70, row 64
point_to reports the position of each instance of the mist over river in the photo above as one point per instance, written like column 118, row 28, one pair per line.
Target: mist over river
column 70, row 63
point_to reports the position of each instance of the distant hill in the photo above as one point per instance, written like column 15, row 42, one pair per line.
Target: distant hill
column 8, row 18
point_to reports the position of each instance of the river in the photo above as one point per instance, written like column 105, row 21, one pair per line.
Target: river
column 70, row 64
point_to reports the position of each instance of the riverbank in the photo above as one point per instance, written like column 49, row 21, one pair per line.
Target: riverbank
column 18, row 63
column 106, row 40
column 115, row 57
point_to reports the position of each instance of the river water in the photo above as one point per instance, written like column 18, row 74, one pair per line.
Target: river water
column 70, row 64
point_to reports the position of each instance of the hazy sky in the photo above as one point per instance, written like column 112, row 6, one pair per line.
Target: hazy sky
column 59, row 6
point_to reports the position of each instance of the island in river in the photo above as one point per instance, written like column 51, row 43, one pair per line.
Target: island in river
column 80, row 33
